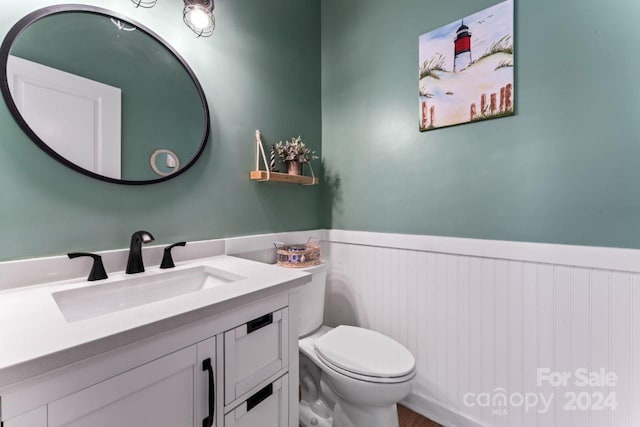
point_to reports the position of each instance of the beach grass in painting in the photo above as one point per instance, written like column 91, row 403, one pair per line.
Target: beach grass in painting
column 466, row 69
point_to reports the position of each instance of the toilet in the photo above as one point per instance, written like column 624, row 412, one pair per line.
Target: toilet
column 349, row 376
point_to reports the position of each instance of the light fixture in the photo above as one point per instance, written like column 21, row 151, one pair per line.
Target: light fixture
column 198, row 16
column 144, row 3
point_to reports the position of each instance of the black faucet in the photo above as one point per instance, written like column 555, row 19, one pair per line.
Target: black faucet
column 167, row 259
column 135, row 263
column 97, row 271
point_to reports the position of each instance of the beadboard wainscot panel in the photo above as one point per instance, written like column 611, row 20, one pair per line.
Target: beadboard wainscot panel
column 484, row 316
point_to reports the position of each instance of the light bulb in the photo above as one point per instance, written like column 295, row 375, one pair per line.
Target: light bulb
column 199, row 18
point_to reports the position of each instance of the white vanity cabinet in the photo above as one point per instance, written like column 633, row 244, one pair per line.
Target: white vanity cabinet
column 236, row 364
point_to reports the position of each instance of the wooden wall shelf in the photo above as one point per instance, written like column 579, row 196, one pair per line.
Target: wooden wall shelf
column 259, row 175
column 264, row 176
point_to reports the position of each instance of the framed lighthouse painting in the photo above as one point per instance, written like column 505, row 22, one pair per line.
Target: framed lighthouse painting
column 466, row 69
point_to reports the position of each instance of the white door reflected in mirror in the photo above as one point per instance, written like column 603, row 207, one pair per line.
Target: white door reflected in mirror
column 79, row 118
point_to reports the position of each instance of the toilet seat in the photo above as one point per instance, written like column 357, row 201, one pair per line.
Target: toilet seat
column 365, row 355
column 367, row 378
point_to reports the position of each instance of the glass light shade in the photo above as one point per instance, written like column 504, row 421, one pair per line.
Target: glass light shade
column 199, row 18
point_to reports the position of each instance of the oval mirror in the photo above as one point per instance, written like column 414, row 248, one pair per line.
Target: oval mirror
column 101, row 93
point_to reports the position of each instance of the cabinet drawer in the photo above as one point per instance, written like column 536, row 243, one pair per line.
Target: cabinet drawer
column 254, row 352
column 265, row 408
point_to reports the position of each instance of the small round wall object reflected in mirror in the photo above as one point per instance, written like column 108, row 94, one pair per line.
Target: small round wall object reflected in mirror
column 164, row 162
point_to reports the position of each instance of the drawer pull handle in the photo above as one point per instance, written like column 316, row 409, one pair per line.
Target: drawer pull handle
column 259, row 323
column 206, row 366
column 257, row 398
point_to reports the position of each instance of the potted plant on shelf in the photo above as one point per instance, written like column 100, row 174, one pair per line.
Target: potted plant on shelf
column 295, row 154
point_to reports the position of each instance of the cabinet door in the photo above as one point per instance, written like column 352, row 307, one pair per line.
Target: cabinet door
column 162, row 393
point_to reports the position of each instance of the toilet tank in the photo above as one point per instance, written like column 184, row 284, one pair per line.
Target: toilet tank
column 310, row 299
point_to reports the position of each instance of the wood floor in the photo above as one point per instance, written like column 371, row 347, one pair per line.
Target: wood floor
column 408, row 418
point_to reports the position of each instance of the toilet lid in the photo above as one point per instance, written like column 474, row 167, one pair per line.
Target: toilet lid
column 365, row 352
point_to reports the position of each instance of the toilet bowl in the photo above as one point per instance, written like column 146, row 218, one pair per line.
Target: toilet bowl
column 349, row 376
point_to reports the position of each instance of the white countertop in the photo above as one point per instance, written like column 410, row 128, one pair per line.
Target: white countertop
column 35, row 337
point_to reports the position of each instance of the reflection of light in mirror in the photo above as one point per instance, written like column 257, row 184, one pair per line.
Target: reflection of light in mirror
column 171, row 161
column 122, row 26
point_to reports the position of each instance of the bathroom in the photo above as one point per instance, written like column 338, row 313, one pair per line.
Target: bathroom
column 502, row 255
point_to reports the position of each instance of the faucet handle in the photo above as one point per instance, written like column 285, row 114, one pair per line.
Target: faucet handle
column 167, row 259
column 97, row 271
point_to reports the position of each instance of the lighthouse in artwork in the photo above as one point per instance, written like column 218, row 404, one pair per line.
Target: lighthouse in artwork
column 462, row 43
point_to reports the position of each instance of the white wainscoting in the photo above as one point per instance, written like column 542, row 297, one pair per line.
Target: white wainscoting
column 478, row 320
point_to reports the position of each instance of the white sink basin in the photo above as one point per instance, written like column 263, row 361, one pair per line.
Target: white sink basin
column 132, row 291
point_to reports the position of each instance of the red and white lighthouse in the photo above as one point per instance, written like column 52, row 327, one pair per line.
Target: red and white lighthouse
column 462, row 58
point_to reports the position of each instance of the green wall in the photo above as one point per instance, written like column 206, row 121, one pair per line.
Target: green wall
column 565, row 169
column 260, row 70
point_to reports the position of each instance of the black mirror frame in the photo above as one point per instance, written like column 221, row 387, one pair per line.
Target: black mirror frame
column 32, row 17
